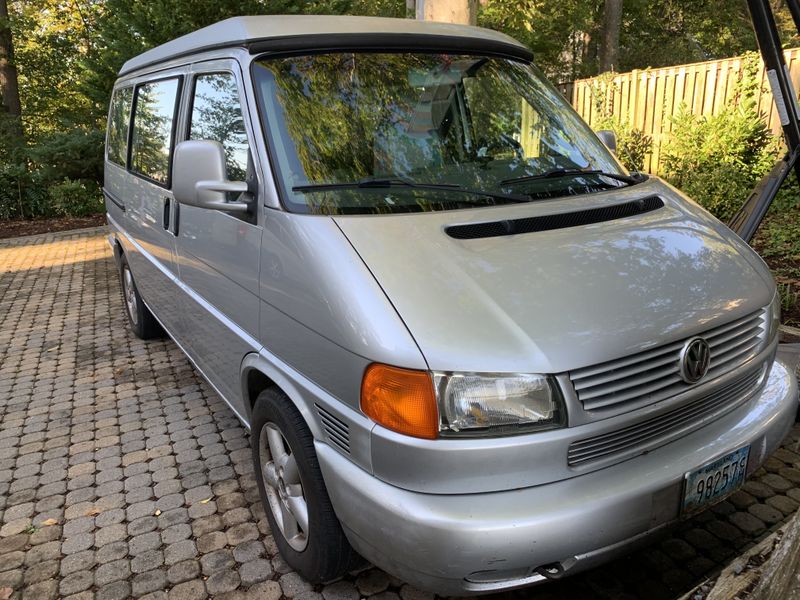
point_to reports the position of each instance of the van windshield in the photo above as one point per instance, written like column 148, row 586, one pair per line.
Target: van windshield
column 373, row 133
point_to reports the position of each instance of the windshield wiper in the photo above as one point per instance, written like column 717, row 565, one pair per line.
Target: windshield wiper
column 391, row 182
column 554, row 173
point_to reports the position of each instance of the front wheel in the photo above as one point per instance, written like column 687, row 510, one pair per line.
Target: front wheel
column 143, row 324
column 300, row 514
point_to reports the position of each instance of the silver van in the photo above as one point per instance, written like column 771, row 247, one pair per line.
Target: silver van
column 469, row 346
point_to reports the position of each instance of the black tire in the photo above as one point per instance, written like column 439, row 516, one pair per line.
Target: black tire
column 327, row 554
column 142, row 322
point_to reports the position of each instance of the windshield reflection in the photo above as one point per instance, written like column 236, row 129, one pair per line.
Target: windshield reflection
column 430, row 118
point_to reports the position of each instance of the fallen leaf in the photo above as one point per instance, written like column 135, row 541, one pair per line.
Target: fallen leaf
column 206, row 501
column 158, row 512
column 5, row 593
column 93, row 511
column 48, row 522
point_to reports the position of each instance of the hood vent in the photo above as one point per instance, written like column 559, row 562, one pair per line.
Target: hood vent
column 473, row 231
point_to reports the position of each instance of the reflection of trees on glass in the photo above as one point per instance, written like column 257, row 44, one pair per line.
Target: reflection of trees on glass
column 118, row 125
column 352, row 115
column 436, row 118
column 152, row 128
column 217, row 115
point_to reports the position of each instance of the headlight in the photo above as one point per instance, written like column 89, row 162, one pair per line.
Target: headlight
column 495, row 404
column 773, row 317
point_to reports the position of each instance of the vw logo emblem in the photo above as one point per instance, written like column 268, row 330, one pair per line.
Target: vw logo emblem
column 695, row 359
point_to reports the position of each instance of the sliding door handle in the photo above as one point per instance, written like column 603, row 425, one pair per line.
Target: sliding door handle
column 167, row 205
column 176, row 217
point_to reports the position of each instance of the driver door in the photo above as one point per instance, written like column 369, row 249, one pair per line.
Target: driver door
column 218, row 252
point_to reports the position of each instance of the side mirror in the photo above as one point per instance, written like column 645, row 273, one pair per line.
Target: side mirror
column 199, row 179
column 609, row 138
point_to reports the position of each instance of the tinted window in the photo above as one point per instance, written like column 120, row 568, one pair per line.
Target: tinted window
column 217, row 115
column 151, row 147
column 118, row 124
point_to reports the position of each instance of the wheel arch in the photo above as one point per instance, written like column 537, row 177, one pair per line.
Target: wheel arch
column 116, row 247
column 258, row 374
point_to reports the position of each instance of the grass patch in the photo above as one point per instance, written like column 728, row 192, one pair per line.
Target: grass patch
column 778, row 242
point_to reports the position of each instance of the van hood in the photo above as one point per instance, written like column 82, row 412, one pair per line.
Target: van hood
column 552, row 301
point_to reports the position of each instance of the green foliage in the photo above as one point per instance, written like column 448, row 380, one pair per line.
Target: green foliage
column 778, row 241
column 76, row 153
column 780, row 235
column 789, row 294
column 557, row 32
column 718, row 159
column 75, row 198
column 633, row 145
column 22, row 194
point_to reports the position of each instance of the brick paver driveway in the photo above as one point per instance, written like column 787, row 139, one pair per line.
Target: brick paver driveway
column 123, row 474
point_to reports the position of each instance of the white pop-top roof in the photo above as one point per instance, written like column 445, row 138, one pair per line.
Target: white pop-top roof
column 238, row 31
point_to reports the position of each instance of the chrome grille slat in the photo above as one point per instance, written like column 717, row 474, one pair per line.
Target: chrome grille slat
column 743, row 331
column 720, row 369
column 631, row 394
column 733, row 348
column 733, row 324
column 622, row 384
column 663, row 427
column 654, row 374
column 624, row 362
column 632, row 432
column 625, row 372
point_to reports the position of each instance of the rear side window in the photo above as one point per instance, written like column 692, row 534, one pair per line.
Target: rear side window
column 153, row 124
column 118, row 123
column 217, row 115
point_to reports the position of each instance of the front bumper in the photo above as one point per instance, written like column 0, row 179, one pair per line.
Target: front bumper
column 479, row 543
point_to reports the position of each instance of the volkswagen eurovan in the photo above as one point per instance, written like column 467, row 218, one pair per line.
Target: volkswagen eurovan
column 469, row 346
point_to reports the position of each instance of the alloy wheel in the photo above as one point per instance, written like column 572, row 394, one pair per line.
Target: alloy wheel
column 129, row 294
column 283, row 486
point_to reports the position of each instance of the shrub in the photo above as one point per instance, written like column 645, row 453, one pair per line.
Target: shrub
column 633, row 144
column 75, row 198
column 718, row 159
column 76, row 153
column 22, row 195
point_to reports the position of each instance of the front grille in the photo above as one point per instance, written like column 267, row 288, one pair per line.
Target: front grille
column 660, row 429
column 654, row 375
column 337, row 430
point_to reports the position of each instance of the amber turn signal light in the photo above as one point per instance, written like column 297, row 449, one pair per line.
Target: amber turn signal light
column 402, row 400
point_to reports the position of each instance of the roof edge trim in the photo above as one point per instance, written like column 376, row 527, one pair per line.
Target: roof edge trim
column 330, row 42
column 421, row 42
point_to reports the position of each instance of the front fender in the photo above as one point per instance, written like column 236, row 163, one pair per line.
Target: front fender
column 308, row 397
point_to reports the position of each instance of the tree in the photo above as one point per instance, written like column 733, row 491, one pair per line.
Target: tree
column 9, row 83
column 609, row 40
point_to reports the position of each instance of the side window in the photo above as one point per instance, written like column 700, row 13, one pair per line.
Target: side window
column 118, row 123
column 217, row 115
column 153, row 121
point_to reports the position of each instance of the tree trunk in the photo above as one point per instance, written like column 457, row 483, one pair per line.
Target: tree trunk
column 609, row 40
column 9, row 85
column 464, row 12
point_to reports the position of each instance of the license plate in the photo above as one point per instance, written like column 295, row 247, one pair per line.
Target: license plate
column 711, row 483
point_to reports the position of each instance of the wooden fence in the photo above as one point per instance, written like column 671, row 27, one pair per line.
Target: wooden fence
column 647, row 99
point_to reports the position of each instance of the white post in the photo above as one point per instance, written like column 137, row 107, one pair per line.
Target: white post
column 464, row 12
